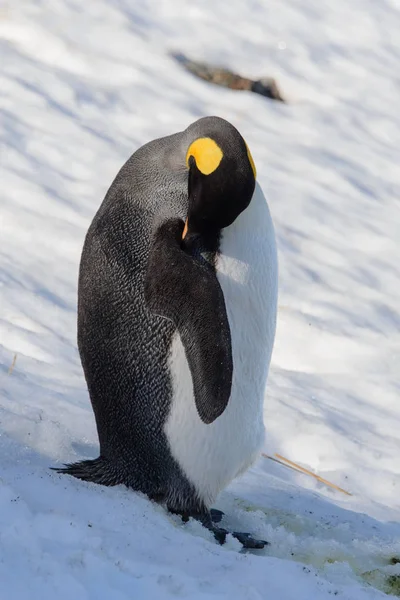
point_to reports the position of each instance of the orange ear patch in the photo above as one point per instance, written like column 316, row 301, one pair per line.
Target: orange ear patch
column 206, row 153
column 185, row 229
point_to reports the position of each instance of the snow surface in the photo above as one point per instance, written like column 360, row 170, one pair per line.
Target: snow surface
column 84, row 84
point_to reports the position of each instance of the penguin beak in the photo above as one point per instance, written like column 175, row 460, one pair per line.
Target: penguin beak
column 185, row 230
column 189, row 238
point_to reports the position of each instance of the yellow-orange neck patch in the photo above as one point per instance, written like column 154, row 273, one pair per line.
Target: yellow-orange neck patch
column 251, row 161
column 206, row 153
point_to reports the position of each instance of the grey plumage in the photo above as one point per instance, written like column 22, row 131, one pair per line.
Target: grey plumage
column 120, row 359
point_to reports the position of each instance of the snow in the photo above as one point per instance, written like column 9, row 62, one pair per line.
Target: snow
column 83, row 84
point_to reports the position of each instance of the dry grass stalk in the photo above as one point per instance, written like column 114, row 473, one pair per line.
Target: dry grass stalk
column 289, row 463
column 11, row 369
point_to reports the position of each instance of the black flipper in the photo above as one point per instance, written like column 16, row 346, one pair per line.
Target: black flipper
column 97, row 471
column 182, row 289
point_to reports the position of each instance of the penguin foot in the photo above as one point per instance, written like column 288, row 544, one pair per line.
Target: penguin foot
column 245, row 539
column 208, row 520
column 248, row 541
column 216, row 515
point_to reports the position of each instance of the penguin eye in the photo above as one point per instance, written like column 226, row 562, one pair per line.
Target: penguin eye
column 206, row 153
column 251, row 161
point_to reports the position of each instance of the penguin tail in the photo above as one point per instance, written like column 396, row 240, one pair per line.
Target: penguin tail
column 98, row 470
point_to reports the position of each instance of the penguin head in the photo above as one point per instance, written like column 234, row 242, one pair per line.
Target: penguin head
column 222, row 176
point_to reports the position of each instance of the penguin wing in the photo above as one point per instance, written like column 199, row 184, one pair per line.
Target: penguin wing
column 179, row 288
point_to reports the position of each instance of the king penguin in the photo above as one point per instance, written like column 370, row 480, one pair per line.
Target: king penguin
column 177, row 301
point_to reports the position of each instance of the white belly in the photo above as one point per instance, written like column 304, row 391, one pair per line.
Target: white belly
column 212, row 455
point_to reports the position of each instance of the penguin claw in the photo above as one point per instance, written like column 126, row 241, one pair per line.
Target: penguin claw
column 216, row 515
column 247, row 541
column 208, row 521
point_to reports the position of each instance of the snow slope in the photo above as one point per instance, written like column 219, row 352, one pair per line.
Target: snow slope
column 83, row 84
